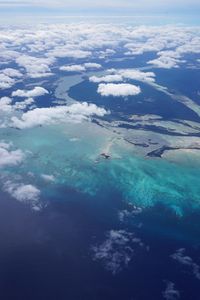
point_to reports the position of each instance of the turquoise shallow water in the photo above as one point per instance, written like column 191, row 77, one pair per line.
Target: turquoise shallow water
column 76, row 162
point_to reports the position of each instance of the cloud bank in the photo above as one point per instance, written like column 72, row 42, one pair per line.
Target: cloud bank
column 77, row 112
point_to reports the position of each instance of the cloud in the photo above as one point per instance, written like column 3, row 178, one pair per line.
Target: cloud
column 12, row 72
column 125, row 214
column 36, row 92
column 80, row 68
column 8, row 78
column 23, row 104
column 7, row 108
column 116, row 251
column 9, row 157
column 92, row 66
column 5, row 105
column 55, row 115
column 61, row 52
column 164, row 62
column 36, row 67
column 6, row 82
column 43, row 45
column 171, row 293
column 183, row 259
column 123, row 75
column 106, row 78
column 137, row 75
column 73, row 68
column 118, row 90
column 48, row 178
column 6, row 111
column 25, row 193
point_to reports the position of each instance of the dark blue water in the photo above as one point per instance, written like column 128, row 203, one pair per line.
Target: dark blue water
column 150, row 101
column 181, row 81
column 47, row 255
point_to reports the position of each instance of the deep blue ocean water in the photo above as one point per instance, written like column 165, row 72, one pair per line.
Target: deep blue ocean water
column 47, row 255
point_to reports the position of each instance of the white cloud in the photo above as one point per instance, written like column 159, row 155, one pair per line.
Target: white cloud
column 92, row 66
column 116, row 251
column 65, row 52
column 60, row 114
column 124, row 214
column 48, row 178
column 36, row 67
column 8, row 108
column 36, row 92
column 6, row 82
column 124, row 74
column 12, row 72
column 5, row 104
column 164, row 62
column 183, row 259
column 9, row 157
column 73, row 68
column 106, row 78
column 25, row 193
column 137, row 75
column 118, row 90
column 80, row 68
column 171, row 293
column 8, row 77
column 44, row 43
column 23, row 104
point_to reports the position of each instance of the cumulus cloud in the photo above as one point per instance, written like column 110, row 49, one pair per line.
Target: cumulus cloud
column 124, row 214
column 36, row 92
column 106, row 78
column 8, row 156
column 164, row 62
column 187, row 261
column 6, row 82
column 118, row 90
column 61, row 52
column 48, row 178
column 5, row 104
column 12, row 72
column 36, row 67
column 92, row 66
column 116, row 251
column 8, row 77
column 123, row 75
column 171, row 293
column 60, row 114
column 73, row 68
column 23, row 104
column 25, row 193
column 8, row 108
column 137, row 75
column 6, row 111
column 80, row 68
column 43, row 44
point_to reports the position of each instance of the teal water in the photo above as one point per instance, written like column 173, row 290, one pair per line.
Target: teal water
column 76, row 162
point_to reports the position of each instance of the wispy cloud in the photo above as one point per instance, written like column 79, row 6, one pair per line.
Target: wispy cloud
column 142, row 5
